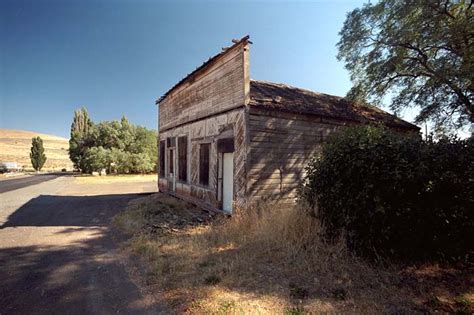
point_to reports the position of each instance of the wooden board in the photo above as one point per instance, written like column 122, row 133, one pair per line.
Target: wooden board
column 208, row 130
column 219, row 87
column 280, row 147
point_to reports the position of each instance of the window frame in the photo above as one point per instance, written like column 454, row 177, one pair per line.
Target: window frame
column 171, row 156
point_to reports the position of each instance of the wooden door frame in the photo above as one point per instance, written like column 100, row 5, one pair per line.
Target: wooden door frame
column 222, row 181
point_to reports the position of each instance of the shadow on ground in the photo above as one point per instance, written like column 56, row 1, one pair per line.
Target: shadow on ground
column 17, row 183
column 52, row 210
column 58, row 255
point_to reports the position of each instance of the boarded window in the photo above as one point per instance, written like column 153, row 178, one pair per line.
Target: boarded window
column 162, row 158
column 183, row 158
column 204, row 153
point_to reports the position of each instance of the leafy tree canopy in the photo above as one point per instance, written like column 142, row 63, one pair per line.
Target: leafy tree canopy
column 415, row 53
column 117, row 146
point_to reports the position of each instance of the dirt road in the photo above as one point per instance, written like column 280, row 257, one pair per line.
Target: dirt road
column 58, row 251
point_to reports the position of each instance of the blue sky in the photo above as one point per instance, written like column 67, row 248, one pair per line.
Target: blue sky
column 117, row 57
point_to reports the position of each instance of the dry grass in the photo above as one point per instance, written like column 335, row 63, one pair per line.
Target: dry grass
column 107, row 179
column 15, row 146
column 266, row 261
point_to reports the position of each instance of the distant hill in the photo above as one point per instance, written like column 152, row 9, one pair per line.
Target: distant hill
column 15, row 146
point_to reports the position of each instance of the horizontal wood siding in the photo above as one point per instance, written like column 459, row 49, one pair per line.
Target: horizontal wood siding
column 280, row 146
column 217, row 88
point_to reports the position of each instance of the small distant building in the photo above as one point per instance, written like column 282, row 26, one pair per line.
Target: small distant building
column 226, row 141
column 9, row 167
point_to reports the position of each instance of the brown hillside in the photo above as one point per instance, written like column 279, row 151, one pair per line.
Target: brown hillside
column 15, row 146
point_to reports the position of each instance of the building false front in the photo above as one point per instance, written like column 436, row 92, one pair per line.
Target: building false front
column 226, row 141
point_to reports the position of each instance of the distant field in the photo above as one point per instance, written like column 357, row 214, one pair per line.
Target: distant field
column 15, row 146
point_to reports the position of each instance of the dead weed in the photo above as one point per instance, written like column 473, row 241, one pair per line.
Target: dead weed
column 265, row 260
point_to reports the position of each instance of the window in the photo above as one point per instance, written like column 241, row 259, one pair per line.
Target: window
column 183, row 158
column 162, row 158
column 171, row 142
column 171, row 162
column 204, row 152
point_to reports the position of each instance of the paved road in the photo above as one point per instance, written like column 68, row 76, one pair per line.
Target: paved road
column 58, row 252
column 17, row 183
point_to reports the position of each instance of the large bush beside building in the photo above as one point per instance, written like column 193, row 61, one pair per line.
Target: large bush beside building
column 395, row 195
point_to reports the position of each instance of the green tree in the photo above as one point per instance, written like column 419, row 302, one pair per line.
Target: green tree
column 142, row 163
column 95, row 159
column 114, row 159
column 117, row 146
column 415, row 53
column 37, row 156
column 107, row 134
column 146, row 141
column 81, row 128
column 124, row 164
column 127, row 133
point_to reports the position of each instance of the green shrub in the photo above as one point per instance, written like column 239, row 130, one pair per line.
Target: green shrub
column 117, row 146
column 395, row 195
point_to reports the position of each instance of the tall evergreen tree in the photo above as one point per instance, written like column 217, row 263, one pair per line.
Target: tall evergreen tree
column 80, row 129
column 37, row 156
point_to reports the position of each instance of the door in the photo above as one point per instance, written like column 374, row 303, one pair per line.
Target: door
column 227, row 181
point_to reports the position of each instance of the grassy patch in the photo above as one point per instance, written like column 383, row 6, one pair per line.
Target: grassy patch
column 268, row 260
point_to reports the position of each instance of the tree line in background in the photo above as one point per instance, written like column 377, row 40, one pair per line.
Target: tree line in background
column 116, row 146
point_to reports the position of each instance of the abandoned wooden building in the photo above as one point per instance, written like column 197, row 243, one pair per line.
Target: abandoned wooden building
column 226, row 141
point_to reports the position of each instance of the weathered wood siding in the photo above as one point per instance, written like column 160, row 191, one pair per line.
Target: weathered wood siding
column 217, row 88
column 280, row 146
column 272, row 146
column 207, row 131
